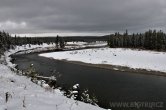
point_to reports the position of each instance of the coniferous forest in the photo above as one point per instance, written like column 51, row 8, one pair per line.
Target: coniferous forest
column 151, row 40
column 8, row 42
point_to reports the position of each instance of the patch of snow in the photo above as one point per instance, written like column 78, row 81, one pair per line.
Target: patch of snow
column 74, row 45
column 75, row 92
column 76, row 86
column 137, row 59
column 27, row 47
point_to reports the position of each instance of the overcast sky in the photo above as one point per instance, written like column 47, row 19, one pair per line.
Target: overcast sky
column 81, row 16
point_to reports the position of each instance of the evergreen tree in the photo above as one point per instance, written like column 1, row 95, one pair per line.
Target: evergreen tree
column 57, row 41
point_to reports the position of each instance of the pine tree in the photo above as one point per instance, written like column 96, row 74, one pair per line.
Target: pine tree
column 57, row 42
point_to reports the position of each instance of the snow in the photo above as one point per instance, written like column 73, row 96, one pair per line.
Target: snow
column 23, row 94
column 137, row 59
column 76, row 86
column 19, row 93
column 97, row 43
column 75, row 45
column 27, row 49
column 75, row 92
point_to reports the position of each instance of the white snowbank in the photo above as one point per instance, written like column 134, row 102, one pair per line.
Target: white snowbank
column 75, row 45
column 137, row 59
column 97, row 43
column 22, row 48
column 23, row 94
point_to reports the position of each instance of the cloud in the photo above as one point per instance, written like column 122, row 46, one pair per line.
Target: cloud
column 82, row 16
column 11, row 25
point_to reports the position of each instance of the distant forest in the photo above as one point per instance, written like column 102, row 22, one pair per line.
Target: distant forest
column 8, row 42
column 151, row 40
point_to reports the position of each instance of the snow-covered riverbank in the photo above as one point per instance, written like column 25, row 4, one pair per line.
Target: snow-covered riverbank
column 23, row 94
column 137, row 59
column 19, row 93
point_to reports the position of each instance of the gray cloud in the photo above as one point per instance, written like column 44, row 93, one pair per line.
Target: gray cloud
column 84, row 16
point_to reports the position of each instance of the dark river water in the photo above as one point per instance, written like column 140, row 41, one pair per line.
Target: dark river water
column 109, row 86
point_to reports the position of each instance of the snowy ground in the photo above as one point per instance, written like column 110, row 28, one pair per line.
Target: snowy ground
column 45, row 47
column 75, row 45
column 25, row 95
column 137, row 59
column 98, row 43
column 19, row 93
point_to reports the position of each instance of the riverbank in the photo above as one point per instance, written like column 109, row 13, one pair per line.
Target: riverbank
column 117, row 68
column 106, row 84
column 138, row 61
column 18, row 92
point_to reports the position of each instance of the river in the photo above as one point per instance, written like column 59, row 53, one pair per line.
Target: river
column 107, row 85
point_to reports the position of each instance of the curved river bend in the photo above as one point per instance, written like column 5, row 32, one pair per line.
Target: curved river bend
column 107, row 85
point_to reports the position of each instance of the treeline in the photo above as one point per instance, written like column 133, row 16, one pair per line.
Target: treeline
column 7, row 41
column 151, row 40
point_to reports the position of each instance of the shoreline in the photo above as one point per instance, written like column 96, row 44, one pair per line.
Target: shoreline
column 116, row 68
column 110, row 67
column 102, row 66
column 21, row 83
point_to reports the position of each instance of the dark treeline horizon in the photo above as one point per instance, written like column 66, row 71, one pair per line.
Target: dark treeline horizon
column 8, row 42
column 151, row 40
